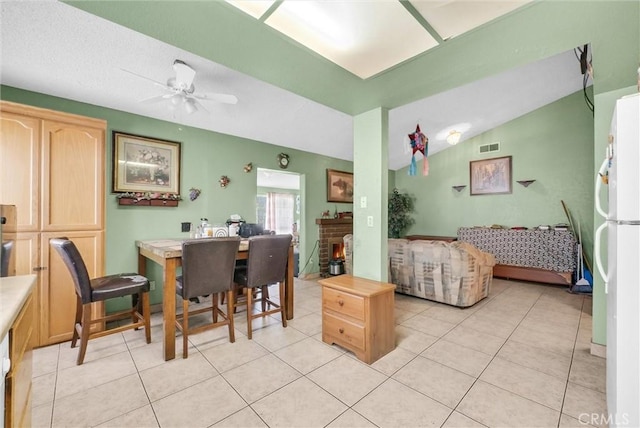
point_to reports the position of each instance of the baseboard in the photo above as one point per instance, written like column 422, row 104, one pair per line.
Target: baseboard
column 309, row 276
column 598, row 350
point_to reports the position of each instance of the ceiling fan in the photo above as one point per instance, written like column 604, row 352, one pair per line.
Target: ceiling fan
column 180, row 90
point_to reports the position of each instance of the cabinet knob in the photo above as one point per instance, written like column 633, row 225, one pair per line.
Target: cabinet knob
column 340, row 302
column 341, row 330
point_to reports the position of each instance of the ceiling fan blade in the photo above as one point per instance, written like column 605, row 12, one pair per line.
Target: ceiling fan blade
column 220, row 98
column 154, row 99
column 200, row 106
column 162, row 85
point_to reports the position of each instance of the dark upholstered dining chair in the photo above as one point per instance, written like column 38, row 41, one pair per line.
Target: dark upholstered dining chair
column 267, row 264
column 5, row 256
column 100, row 289
column 207, row 268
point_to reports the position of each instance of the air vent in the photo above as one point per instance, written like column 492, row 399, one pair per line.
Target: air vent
column 488, row 148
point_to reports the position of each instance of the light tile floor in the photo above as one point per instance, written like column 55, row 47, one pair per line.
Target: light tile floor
column 518, row 358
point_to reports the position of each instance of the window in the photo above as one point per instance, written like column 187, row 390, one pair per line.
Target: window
column 279, row 212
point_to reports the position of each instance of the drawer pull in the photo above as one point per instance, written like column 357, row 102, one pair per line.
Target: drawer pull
column 341, row 302
column 341, row 330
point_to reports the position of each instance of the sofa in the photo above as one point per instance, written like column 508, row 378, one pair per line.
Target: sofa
column 455, row 273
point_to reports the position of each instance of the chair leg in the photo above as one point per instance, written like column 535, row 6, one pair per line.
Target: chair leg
column 230, row 307
column 136, row 304
column 283, row 306
column 85, row 329
column 249, row 311
column 77, row 322
column 146, row 314
column 185, row 328
column 214, row 307
column 264, row 296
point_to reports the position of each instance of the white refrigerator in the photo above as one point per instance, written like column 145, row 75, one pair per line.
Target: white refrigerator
column 622, row 276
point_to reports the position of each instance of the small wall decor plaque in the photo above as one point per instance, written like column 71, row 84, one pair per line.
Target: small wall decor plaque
column 194, row 193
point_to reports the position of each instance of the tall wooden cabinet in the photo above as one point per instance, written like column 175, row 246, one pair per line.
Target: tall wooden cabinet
column 52, row 167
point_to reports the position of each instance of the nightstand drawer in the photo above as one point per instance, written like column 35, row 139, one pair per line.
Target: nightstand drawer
column 344, row 332
column 346, row 304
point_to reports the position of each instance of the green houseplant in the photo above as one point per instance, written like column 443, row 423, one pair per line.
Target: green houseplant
column 400, row 206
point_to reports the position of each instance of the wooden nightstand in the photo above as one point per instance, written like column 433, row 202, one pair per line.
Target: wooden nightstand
column 357, row 314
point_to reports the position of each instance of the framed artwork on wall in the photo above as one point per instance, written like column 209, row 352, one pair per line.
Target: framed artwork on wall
column 490, row 176
column 339, row 186
column 143, row 164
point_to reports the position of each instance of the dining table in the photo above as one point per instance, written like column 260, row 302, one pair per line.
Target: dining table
column 168, row 254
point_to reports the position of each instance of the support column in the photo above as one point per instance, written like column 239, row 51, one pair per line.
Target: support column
column 371, row 189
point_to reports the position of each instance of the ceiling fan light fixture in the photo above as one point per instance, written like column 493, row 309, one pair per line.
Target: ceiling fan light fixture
column 454, row 137
column 177, row 99
column 190, row 106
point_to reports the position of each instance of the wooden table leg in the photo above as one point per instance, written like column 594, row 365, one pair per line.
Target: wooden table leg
column 142, row 265
column 169, row 309
column 289, row 285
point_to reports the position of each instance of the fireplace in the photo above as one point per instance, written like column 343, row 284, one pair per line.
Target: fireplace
column 331, row 246
column 336, row 248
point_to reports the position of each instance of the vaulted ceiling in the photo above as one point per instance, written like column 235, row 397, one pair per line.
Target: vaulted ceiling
column 288, row 94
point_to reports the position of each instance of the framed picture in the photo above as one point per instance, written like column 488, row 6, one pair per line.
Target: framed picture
column 490, row 176
column 339, row 186
column 143, row 164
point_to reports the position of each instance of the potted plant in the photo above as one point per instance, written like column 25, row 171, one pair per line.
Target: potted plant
column 400, row 205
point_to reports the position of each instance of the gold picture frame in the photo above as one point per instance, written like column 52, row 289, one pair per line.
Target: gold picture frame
column 339, row 186
column 490, row 176
column 144, row 164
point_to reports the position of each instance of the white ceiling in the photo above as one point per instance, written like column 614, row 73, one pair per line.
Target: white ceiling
column 56, row 49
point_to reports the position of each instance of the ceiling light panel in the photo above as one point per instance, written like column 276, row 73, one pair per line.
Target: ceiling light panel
column 363, row 37
column 255, row 8
column 450, row 18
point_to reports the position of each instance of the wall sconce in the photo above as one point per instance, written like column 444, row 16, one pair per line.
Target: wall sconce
column 224, row 181
column 454, row 137
column 459, row 187
column 525, row 183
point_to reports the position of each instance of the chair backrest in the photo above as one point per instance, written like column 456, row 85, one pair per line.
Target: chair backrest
column 267, row 262
column 74, row 262
column 208, row 265
column 5, row 256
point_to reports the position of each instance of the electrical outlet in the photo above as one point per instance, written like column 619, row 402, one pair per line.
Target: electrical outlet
column 152, row 285
column 370, row 221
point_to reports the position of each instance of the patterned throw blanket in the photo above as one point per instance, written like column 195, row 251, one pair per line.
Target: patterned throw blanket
column 554, row 250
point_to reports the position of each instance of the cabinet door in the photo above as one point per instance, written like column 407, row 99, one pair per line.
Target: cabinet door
column 20, row 166
column 57, row 291
column 72, row 177
column 28, row 262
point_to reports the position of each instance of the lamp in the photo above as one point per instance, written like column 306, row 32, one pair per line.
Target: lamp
column 454, row 137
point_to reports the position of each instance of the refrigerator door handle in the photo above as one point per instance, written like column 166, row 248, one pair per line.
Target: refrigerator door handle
column 601, row 172
column 597, row 254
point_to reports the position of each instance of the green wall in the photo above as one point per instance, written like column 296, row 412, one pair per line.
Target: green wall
column 552, row 145
column 206, row 156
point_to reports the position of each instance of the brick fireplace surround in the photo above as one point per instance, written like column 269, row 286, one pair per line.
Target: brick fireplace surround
column 331, row 230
